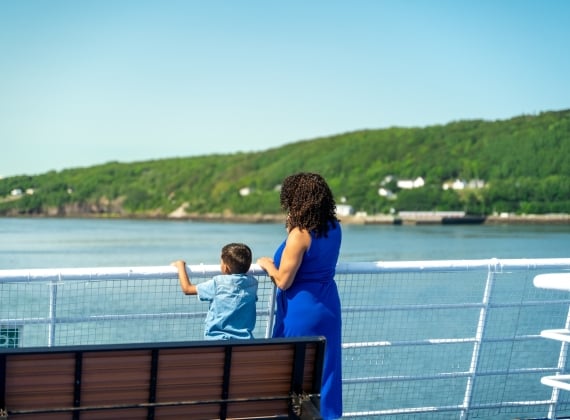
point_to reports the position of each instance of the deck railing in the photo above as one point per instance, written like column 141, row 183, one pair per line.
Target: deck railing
column 421, row 339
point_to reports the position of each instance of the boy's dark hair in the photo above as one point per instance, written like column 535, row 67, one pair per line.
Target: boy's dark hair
column 237, row 257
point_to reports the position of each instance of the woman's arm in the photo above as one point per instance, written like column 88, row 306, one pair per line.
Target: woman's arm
column 185, row 284
column 297, row 243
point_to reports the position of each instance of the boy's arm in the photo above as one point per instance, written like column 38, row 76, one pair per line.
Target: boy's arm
column 185, row 284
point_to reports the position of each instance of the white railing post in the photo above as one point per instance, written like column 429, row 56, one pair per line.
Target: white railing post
column 52, row 311
column 478, row 340
column 560, row 368
column 271, row 314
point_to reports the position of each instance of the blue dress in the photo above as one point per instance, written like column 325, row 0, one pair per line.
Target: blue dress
column 311, row 307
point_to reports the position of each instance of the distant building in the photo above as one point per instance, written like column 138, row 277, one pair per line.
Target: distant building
column 16, row 192
column 476, row 183
column 344, row 210
column 383, row 192
column 245, row 191
column 409, row 184
column 460, row 184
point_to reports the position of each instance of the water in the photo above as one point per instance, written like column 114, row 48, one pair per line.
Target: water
column 53, row 243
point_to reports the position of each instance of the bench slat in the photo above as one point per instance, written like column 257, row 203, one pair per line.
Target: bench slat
column 165, row 380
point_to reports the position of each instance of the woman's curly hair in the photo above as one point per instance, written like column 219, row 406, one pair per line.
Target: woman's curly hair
column 309, row 201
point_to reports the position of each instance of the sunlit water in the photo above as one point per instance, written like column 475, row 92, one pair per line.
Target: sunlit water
column 50, row 243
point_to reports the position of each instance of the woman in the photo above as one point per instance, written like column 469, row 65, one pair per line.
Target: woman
column 303, row 270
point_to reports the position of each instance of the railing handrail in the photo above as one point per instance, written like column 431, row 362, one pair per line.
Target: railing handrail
column 205, row 270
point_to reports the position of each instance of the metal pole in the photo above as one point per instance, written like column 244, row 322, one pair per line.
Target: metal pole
column 477, row 344
column 560, row 369
column 52, row 312
column 271, row 314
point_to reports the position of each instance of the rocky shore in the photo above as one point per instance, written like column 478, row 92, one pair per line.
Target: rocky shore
column 548, row 219
column 381, row 219
column 530, row 219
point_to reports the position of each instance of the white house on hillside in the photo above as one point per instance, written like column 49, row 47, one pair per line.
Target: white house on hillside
column 244, row 192
column 344, row 210
column 460, row 184
column 383, row 192
column 408, row 184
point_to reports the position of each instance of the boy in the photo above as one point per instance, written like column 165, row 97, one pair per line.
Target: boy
column 232, row 295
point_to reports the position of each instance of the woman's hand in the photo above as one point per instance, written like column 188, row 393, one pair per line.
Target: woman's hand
column 266, row 263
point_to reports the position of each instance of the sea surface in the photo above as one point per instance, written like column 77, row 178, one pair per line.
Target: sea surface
column 74, row 243
column 59, row 243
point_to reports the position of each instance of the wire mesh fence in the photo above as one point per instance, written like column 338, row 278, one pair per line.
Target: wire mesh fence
column 424, row 339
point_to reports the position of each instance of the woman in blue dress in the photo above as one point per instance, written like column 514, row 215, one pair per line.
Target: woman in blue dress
column 303, row 270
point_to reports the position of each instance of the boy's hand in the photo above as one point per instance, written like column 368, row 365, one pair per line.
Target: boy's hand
column 178, row 264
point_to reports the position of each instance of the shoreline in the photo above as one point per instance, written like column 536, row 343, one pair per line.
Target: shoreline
column 538, row 219
column 381, row 219
column 527, row 219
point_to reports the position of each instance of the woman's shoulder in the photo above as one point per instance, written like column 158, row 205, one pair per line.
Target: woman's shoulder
column 297, row 232
column 299, row 238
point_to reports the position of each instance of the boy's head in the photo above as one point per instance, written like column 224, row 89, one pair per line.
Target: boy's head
column 236, row 257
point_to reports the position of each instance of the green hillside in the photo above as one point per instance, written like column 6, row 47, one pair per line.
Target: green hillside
column 524, row 163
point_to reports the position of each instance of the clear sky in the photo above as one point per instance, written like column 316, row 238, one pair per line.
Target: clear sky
column 84, row 82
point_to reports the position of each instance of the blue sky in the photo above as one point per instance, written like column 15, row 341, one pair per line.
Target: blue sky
column 88, row 82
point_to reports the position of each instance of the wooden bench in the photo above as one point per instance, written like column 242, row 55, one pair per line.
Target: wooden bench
column 261, row 378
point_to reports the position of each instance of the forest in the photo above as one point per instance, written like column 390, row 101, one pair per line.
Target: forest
column 521, row 165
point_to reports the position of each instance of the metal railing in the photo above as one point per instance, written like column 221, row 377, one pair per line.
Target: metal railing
column 421, row 339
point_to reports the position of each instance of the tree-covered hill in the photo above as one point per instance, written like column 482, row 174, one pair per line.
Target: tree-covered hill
column 524, row 163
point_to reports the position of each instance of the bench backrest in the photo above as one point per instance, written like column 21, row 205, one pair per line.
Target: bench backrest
column 268, row 378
